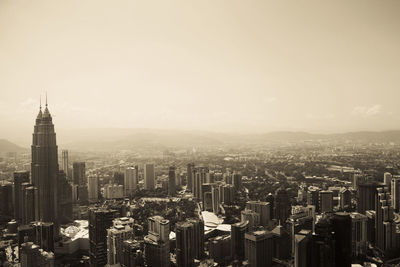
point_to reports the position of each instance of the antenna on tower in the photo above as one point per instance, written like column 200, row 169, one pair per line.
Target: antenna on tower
column 46, row 99
column 40, row 101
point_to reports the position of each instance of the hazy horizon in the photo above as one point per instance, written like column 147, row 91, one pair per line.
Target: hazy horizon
column 215, row 66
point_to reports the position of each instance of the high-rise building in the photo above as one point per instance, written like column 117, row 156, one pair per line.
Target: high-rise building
column 263, row 209
column 385, row 230
column 6, row 200
column 238, row 231
column 259, row 248
column 341, row 223
column 112, row 191
column 64, row 198
column 44, row 167
column 366, row 197
column 215, row 199
column 83, row 194
column 157, row 243
column 387, row 178
column 149, row 177
column 184, row 244
column 344, row 198
column 282, row 205
column 65, row 164
column 20, row 178
column 130, row 180
column 395, row 193
column 313, row 198
column 358, row 178
column 79, row 171
column 93, row 188
column 32, row 255
column 358, row 234
column 219, row 249
column 198, row 237
column 171, row 181
column 44, row 233
column 326, row 201
column 99, row 221
column 132, row 254
column 271, row 200
column 302, row 249
column 237, row 181
column 251, row 217
column 189, row 176
column 116, row 235
column 30, row 197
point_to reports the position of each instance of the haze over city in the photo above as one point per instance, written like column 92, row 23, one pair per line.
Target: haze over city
column 226, row 66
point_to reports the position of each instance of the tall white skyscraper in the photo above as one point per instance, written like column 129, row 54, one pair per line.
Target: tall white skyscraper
column 149, row 177
column 93, row 188
column 387, row 178
column 64, row 164
column 130, row 180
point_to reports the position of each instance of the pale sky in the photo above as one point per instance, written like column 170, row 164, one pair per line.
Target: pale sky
column 230, row 66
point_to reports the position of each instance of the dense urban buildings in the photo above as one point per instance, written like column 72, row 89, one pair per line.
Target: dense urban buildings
column 273, row 207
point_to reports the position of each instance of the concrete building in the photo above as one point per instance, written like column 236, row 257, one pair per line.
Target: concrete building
column 149, row 177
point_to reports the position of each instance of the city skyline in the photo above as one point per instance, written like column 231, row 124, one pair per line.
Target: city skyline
column 212, row 66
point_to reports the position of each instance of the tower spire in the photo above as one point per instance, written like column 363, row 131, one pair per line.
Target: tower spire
column 46, row 99
column 40, row 101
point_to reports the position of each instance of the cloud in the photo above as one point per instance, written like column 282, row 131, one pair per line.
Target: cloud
column 367, row 111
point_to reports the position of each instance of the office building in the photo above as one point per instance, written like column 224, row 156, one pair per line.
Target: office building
column 29, row 194
column 302, row 249
column 313, row 198
column 116, row 235
column 20, row 178
column 171, row 181
column 65, row 200
column 65, row 163
column 99, row 221
column 238, row 231
column 259, row 248
column 282, row 205
column 215, row 199
column 358, row 234
column 149, row 177
column 344, row 198
column 342, row 225
column 219, row 249
column 112, row 191
column 184, row 244
column 83, row 194
column 387, row 178
column 32, row 255
column 366, row 197
column 395, row 193
column 79, row 173
column 385, row 230
column 132, row 254
column 44, row 167
column 263, row 209
column 189, row 176
column 237, row 181
column 157, row 243
column 326, row 201
column 251, row 217
column 130, row 180
column 6, row 201
column 93, row 188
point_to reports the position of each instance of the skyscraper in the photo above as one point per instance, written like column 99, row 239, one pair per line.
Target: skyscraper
column 395, row 193
column 171, row 181
column 341, row 223
column 93, row 188
column 326, row 201
column 157, row 242
column 99, row 221
column 259, row 248
column 189, row 176
column 149, row 177
column 19, row 178
column 238, row 231
column 282, row 205
column 65, row 164
column 130, row 180
column 79, row 170
column 366, row 197
column 116, row 235
column 44, row 166
column 385, row 230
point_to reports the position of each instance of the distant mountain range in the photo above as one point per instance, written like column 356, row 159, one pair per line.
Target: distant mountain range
column 118, row 139
column 7, row 146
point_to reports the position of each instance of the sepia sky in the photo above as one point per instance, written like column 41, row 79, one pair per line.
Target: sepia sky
column 234, row 66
